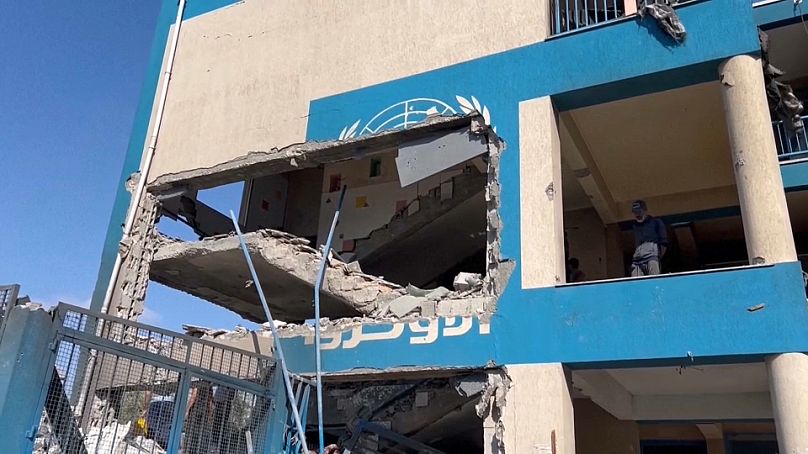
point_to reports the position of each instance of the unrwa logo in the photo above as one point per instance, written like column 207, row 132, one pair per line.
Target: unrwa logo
column 404, row 114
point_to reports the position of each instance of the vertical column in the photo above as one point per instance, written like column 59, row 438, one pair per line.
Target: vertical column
column 714, row 436
column 767, row 227
column 541, row 209
column 788, row 385
column 538, row 415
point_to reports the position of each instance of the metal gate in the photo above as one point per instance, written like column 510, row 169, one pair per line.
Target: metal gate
column 8, row 298
column 119, row 386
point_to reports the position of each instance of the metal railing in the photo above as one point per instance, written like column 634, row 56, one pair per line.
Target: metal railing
column 790, row 146
column 571, row 15
column 150, row 390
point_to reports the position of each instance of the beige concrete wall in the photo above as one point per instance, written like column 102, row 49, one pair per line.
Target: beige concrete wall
column 538, row 413
column 598, row 432
column 244, row 75
column 371, row 202
column 542, row 216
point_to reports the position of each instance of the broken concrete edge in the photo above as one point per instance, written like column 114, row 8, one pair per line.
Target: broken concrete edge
column 303, row 155
column 293, row 330
column 369, row 295
column 498, row 268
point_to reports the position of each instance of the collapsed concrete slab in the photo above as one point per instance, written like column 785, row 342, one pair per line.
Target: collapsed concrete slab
column 214, row 269
column 306, row 155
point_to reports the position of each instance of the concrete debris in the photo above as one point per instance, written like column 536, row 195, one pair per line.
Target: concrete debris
column 416, row 291
column 46, row 441
column 205, row 269
column 429, row 294
column 137, row 251
column 782, row 100
column 31, row 306
column 353, row 267
column 212, row 269
column 461, row 306
column 467, row 281
column 201, row 331
column 405, row 304
column 438, row 293
column 493, row 394
column 471, row 385
column 490, row 407
column 278, row 324
column 663, row 12
column 114, row 439
column 301, row 155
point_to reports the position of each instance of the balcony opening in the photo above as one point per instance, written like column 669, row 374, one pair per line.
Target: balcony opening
column 670, row 150
column 787, row 48
column 674, row 409
column 569, row 16
column 415, row 227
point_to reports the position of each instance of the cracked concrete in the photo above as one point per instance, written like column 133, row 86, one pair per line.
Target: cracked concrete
column 214, row 269
column 303, row 155
column 137, row 251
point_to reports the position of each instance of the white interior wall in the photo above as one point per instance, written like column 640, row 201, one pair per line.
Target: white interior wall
column 371, row 202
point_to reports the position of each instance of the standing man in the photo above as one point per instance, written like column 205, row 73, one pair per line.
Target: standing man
column 650, row 241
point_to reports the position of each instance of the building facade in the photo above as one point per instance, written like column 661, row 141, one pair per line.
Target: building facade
column 480, row 147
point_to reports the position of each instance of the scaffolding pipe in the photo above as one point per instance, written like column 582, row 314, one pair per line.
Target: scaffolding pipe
column 317, row 289
column 290, row 394
column 147, row 160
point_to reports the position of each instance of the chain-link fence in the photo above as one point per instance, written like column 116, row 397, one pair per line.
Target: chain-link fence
column 124, row 387
column 8, row 297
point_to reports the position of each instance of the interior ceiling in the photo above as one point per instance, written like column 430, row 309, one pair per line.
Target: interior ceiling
column 662, row 143
column 788, row 48
column 717, row 379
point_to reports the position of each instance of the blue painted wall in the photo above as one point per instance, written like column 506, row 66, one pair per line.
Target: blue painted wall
column 680, row 319
column 779, row 13
column 137, row 141
column 579, row 69
column 795, row 175
column 623, row 321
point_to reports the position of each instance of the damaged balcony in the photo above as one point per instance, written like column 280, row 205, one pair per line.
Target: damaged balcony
column 417, row 233
column 576, row 15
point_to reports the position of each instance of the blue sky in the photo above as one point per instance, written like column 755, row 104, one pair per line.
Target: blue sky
column 69, row 85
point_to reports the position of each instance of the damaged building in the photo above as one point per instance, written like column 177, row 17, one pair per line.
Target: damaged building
column 481, row 174
column 417, row 229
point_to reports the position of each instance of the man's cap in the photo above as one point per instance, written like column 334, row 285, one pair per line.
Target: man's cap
column 638, row 205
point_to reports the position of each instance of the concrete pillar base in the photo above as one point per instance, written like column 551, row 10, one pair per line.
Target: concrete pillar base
column 788, row 384
column 538, row 414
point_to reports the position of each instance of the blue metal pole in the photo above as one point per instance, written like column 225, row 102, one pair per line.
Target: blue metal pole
column 317, row 287
column 301, row 434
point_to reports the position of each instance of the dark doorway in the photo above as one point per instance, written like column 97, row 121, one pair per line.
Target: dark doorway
column 674, row 447
column 752, row 447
